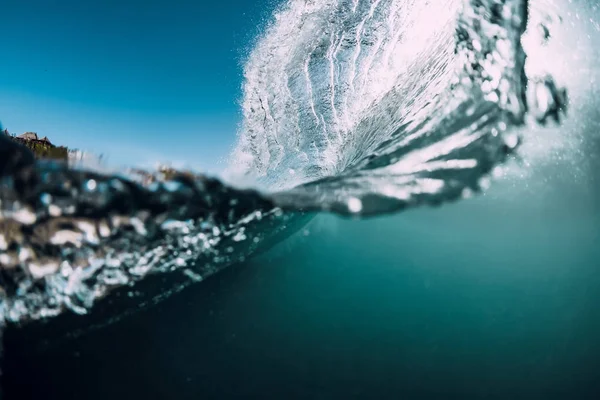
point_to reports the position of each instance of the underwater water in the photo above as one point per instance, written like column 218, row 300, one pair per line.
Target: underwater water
column 482, row 299
column 352, row 108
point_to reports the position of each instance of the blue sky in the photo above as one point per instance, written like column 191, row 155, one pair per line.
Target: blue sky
column 140, row 81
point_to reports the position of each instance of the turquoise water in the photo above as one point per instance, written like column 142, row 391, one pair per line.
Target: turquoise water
column 489, row 298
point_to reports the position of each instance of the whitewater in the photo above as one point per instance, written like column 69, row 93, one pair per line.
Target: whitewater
column 358, row 107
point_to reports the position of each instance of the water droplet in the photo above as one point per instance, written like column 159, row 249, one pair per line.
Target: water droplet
column 91, row 185
column 355, row 205
column 54, row 210
column 498, row 172
column 46, row 198
column 240, row 236
column 511, row 140
column 485, row 183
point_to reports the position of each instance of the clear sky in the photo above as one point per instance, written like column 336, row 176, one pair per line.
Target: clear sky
column 141, row 81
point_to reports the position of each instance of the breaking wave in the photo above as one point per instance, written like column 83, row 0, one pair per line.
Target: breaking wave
column 359, row 107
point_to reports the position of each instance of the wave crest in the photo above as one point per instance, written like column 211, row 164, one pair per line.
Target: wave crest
column 355, row 106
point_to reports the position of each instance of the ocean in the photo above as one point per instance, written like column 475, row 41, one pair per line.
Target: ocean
column 375, row 259
column 483, row 299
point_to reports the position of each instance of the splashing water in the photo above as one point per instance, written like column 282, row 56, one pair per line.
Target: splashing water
column 360, row 107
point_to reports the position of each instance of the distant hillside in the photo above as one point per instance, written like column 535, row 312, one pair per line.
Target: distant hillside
column 41, row 147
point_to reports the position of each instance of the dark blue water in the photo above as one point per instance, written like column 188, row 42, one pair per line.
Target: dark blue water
column 488, row 298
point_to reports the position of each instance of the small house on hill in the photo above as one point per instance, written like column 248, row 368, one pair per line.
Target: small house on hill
column 28, row 136
column 33, row 137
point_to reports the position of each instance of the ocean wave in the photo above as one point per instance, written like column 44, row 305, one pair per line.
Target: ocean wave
column 360, row 107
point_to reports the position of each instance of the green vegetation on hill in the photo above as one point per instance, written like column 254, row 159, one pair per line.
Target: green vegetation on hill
column 41, row 148
column 45, row 151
